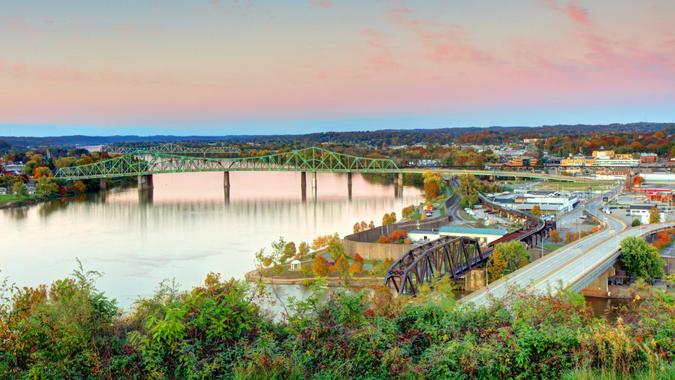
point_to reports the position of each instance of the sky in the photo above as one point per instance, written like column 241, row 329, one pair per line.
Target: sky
column 221, row 67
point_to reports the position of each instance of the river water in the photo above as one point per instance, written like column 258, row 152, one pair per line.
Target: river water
column 187, row 229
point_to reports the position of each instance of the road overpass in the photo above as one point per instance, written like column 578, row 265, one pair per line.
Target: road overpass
column 574, row 266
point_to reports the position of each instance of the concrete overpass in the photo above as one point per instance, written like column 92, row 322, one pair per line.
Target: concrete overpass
column 574, row 266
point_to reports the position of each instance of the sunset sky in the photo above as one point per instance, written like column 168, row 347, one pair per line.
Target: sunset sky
column 249, row 67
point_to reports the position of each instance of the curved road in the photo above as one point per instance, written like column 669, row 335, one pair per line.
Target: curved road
column 567, row 265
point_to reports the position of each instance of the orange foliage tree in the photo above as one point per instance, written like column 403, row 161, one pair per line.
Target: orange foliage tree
column 320, row 266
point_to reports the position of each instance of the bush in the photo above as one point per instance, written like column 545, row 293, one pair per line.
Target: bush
column 396, row 237
column 635, row 223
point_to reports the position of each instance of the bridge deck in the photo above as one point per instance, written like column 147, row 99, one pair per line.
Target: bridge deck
column 572, row 266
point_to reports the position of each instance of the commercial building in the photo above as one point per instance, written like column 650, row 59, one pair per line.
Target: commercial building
column 648, row 158
column 551, row 202
column 483, row 235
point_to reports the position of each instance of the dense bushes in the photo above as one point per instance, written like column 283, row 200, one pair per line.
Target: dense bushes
column 70, row 330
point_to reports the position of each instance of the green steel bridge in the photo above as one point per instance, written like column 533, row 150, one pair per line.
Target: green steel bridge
column 171, row 148
column 143, row 163
column 148, row 161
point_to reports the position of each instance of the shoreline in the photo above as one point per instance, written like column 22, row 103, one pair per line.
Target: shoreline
column 254, row 276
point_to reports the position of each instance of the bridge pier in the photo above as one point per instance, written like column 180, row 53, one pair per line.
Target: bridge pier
column 145, row 182
column 314, row 185
column 349, row 185
column 303, row 185
column 599, row 287
column 103, row 184
column 226, row 179
column 146, row 198
column 398, row 185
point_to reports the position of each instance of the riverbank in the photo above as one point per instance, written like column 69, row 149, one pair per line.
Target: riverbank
column 332, row 280
column 11, row 200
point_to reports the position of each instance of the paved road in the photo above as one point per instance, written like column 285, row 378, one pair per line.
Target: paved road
column 568, row 264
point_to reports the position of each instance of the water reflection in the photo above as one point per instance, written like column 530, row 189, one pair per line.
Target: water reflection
column 183, row 229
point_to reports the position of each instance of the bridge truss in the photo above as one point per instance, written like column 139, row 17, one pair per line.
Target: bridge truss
column 171, row 148
column 305, row 160
column 451, row 256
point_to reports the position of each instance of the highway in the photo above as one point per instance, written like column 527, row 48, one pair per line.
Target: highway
column 569, row 264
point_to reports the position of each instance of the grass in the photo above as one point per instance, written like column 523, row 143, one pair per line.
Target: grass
column 4, row 199
column 552, row 246
column 665, row 372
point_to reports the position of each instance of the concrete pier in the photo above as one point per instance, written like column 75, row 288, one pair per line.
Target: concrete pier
column 145, row 182
column 226, row 180
column 398, row 185
column 303, row 185
column 349, row 184
column 103, row 184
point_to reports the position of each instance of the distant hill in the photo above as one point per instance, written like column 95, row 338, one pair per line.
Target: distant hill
column 386, row 136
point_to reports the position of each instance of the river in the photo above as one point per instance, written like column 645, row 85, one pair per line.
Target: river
column 188, row 229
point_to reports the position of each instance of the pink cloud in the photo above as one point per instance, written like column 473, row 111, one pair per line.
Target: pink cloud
column 571, row 10
column 379, row 56
column 323, row 4
column 441, row 42
column 578, row 14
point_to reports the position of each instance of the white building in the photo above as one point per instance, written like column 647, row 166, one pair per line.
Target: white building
column 547, row 202
column 483, row 235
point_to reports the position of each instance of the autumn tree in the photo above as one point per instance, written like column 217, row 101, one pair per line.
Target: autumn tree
column 42, row 172
column 289, row 251
column 342, row 265
column 536, row 210
column 640, row 259
column 303, row 249
column 371, row 225
column 554, row 235
column 663, row 239
column 506, row 258
column 433, row 184
column 637, row 181
column 79, row 187
column 321, row 242
column 654, row 215
column 320, row 266
column 356, row 267
column 389, row 218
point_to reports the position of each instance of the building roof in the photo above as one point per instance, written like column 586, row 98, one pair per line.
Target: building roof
column 472, row 230
column 641, row 207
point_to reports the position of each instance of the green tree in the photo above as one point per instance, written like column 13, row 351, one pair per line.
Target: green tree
column 65, row 162
column 468, row 190
column 335, row 247
column 635, row 223
column 654, row 215
column 46, row 187
column 19, row 188
column 506, row 258
column 640, row 259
